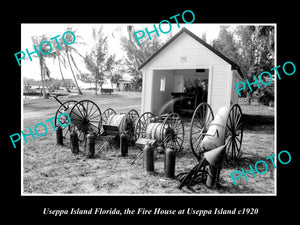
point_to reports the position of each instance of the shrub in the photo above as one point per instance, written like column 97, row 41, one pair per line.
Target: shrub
column 266, row 95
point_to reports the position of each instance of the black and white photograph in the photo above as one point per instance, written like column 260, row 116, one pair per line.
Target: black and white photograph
column 112, row 113
column 179, row 113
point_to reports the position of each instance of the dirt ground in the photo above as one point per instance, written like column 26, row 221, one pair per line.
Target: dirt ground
column 51, row 169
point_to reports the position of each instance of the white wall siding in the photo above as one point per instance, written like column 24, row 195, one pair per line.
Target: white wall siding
column 234, row 94
column 147, row 90
column 185, row 46
column 187, row 53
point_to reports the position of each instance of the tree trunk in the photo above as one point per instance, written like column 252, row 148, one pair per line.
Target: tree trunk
column 129, row 32
column 79, row 91
column 249, row 98
column 62, row 76
column 96, row 84
column 43, row 79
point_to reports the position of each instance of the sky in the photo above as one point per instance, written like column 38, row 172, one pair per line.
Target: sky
column 31, row 69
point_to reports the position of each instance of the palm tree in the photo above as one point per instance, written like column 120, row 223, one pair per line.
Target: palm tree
column 61, row 60
column 68, row 50
column 44, row 69
column 68, row 57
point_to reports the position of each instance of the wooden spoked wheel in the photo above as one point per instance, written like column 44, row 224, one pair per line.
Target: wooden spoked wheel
column 142, row 123
column 85, row 116
column 132, row 117
column 64, row 108
column 202, row 118
column 105, row 115
column 234, row 133
column 172, row 132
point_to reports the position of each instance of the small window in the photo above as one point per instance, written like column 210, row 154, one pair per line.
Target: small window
column 162, row 84
column 200, row 70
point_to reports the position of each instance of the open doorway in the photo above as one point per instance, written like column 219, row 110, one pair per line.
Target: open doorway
column 190, row 89
column 197, row 86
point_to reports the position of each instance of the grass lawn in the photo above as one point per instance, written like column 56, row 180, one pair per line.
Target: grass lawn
column 51, row 169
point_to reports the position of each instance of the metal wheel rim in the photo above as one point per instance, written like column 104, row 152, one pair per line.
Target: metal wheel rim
column 172, row 132
column 132, row 116
column 61, row 109
column 89, row 118
column 202, row 117
column 141, row 125
column 234, row 133
column 105, row 115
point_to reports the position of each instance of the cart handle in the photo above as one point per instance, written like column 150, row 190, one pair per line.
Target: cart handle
column 56, row 98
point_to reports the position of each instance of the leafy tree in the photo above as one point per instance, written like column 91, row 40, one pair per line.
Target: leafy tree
column 203, row 36
column 251, row 47
column 115, row 79
column 226, row 44
column 256, row 47
column 137, row 54
column 137, row 83
column 98, row 61
column 115, row 69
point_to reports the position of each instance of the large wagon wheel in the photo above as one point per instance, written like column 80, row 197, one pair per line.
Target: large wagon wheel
column 132, row 116
column 234, row 133
column 202, row 117
column 142, row 123
column 172, row 132
column 64, row 108
column 85, row 116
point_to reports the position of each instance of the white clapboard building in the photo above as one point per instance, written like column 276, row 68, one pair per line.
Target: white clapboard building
column 187, row 56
